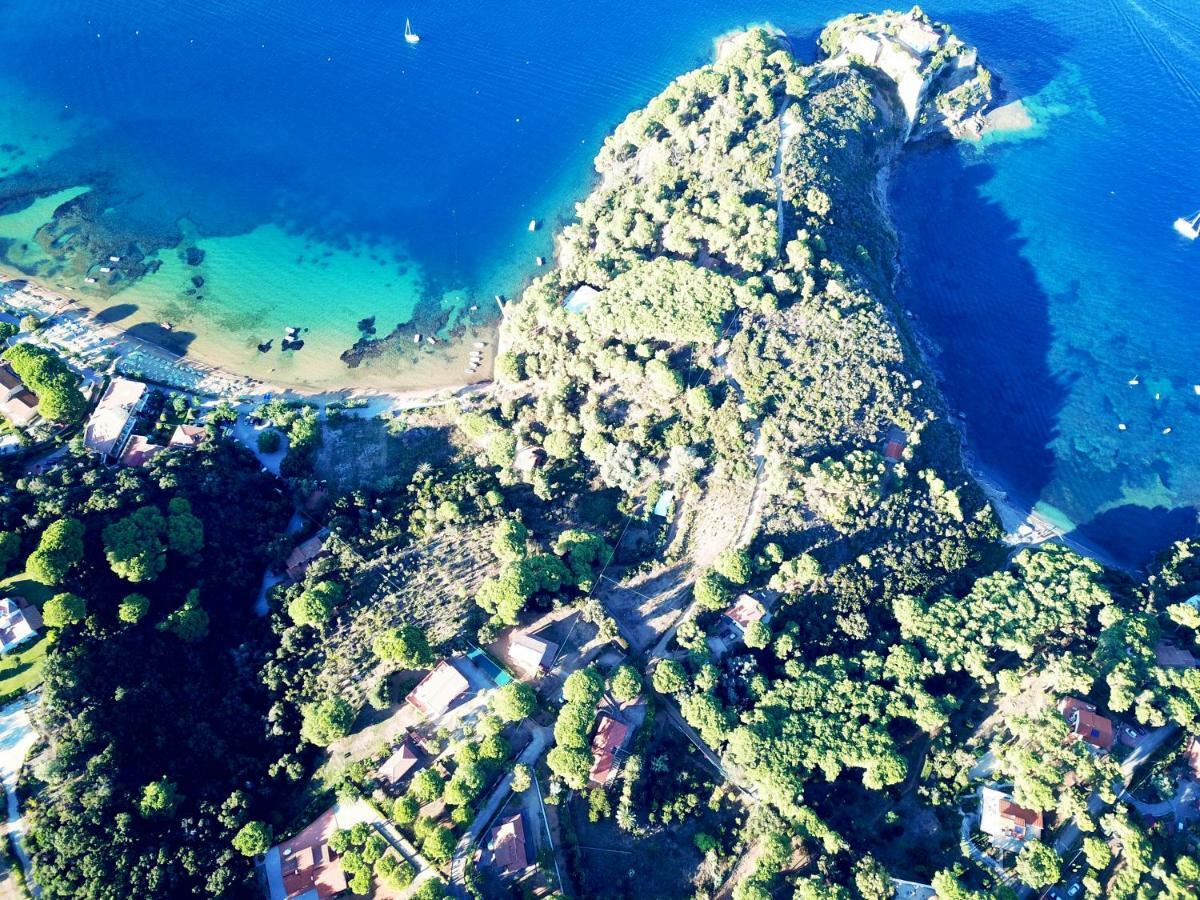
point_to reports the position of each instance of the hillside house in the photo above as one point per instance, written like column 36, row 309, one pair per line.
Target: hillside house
column 509, row 852
column 532, row 654
column 18, row 404
column 1087, row 724
column 19, row 622
column 611, row 736
column 1008, row 825
column 439, row 690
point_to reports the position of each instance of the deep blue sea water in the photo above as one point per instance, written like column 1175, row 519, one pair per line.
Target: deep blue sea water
column 332, row 173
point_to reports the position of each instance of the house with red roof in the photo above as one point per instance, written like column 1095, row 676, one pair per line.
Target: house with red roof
column 438, row 690
column 188, row 435
column 1087, row 724
column 506, row 843
column 611, row 735
column 303, row 556
column 1008, row 825
column 139, row 450
column 745, row 612
column 305, row 867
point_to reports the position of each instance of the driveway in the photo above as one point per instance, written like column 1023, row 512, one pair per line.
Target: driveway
column 16, row 738
column 541, row 738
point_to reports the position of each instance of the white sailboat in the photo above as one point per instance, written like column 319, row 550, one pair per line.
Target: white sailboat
column 1189, row 226
column 409, row 35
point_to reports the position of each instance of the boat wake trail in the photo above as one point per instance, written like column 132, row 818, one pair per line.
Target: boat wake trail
column 1174, row 72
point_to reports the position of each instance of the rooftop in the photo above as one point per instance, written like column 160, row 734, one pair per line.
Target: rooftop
column 303, row 554
column 1086, row 723
column 581, row 298
column 106, row 427
column 746, row 611
column 529, row 652
column 399, row 763
column 438, row 690
column 188, row 435
column 18, row 621
column 610, row 737
column 139, row 450
column 507, row 843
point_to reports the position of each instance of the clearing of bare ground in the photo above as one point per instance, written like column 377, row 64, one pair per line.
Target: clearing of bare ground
column 367, row 452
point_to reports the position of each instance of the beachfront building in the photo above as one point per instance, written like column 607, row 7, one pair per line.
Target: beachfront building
column 609, row 739
column 531, row 653
column 17, row 402
column 439, row 690
column 1009, row 826
column 111, row 424
column 1087, row 724
column 19, row 622
column 508, row 851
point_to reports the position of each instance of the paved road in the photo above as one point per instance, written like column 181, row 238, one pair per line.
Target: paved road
column 1182, row 805
column 541, row 738
column 1149, row 745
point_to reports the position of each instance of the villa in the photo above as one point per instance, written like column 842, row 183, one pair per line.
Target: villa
column 610, row 737
column 1008, row 825
column 399, row 764
column 744, row 613
column 1087, row 725
column 188, row 436
column 139, row 450
column 19, row 622
column 17, row 403
column 438, row 690
column 110, row 425
column 305, row 866
column 303, row 556
column 506, row 842
column 531, row 653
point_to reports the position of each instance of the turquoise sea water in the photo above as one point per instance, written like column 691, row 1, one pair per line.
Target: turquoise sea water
column 331, row 173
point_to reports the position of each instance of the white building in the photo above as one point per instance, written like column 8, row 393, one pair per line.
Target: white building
column 111, row 423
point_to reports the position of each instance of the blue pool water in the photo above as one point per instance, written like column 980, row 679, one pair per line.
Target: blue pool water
column 332, row 173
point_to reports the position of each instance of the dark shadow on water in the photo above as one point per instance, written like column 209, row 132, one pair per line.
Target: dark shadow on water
column 116, row 313
column 1134, row 535
column 175, row 341
column 966, row 278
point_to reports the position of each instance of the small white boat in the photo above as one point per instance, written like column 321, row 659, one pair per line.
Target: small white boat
column 114, row 259
column 416, row 339
column 1167, row 430
column 1196, row 389
column 474, row 306
column 533, row 224
column 1189, row 226
column 89, row 280
column 541, row 260
column 1121, row 426
column 479, row 345
column 1158, row 396
column 105, row 269
column 166, row 326
column 1136, row 379
column 410, row 36
column 431, row 339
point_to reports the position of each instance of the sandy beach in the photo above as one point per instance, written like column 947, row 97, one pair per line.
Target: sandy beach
column 75, row 330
